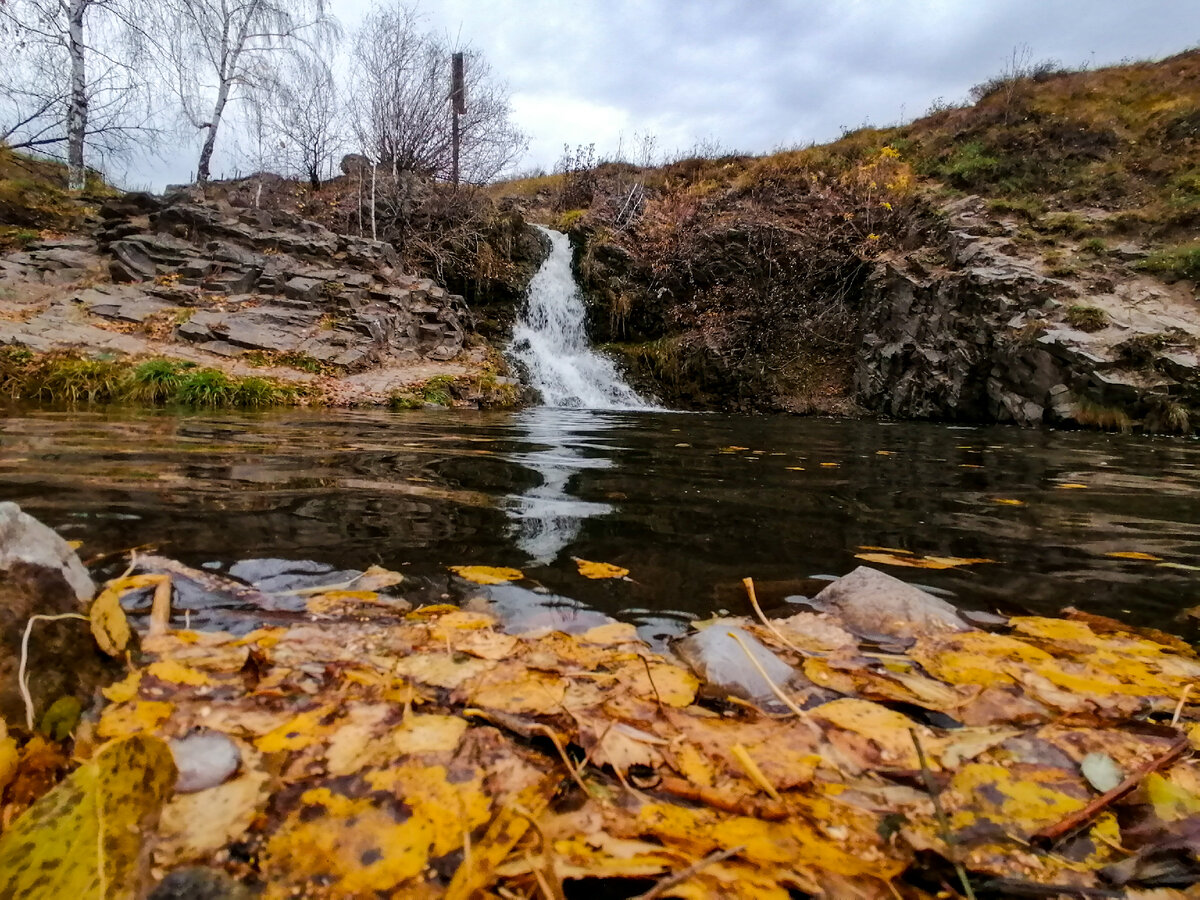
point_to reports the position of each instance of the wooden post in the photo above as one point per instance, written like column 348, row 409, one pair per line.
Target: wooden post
column 458, row 103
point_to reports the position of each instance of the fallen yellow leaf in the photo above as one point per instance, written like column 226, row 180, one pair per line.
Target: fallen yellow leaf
column 8, row 757
column 920, row 562
column 1008, row 501
column 177, row 673
column 110, row 627
column 1070, row 485
column 203, row 822
column 124, row 690
column 597, row 570
column 488, row 574
column 133, row 718
column 84, row 838
column 296, row 734
column 1134, row 554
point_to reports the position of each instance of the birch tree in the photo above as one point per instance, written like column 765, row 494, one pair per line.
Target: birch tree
column 70, row 79
column 217, row 51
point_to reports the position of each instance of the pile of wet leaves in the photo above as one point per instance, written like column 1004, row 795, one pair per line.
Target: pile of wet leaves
column 877, row 746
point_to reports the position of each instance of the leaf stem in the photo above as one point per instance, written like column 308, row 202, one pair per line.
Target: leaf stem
column 943, row 822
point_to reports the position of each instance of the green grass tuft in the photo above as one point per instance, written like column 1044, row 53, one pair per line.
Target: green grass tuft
column 69, row 377
column 206, row 387
column 254, row 392
column 1174, row 263
column 1086, row 318
column 438, row 390
column 156, row 380
column 400, row 400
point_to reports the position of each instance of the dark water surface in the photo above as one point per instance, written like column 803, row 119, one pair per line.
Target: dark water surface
column 690, row 504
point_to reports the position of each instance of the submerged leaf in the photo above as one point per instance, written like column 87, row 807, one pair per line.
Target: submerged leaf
column 598, row 570
column 487, row 574
column 84, row 838
column 921, row 562
column 196, row 824
column 376, row 578
column 61, row 718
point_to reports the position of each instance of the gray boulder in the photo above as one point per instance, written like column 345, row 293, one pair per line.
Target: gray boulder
column 24, row 539
column 873, row 604
column 720, row 661
column 40, row 575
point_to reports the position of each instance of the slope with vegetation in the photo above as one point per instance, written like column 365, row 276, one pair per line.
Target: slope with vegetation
column 1031, row 258
column 190, row 299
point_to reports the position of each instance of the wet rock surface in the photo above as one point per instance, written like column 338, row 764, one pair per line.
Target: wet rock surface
column 227, row 281
column 983, row 334
column 874, row 605
column 40, row 575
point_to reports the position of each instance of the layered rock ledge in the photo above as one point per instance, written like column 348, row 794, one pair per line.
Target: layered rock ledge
column 242, row 290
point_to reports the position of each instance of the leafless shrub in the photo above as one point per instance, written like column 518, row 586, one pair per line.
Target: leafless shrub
column 400, row 105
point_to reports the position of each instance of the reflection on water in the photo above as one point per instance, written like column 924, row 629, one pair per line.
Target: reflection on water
column 690, row 504
column 547, row 517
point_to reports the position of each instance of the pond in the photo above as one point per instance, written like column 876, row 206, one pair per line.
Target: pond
column 689, row 503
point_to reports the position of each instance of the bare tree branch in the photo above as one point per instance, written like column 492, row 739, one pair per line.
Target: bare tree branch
column 219, row 52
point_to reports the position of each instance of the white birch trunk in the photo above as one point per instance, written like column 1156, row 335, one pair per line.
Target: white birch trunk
column 210, row 139
column 77, row 105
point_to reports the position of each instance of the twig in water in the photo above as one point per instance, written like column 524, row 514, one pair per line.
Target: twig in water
column 775, row 689
column 1081, row 817
column 100, row 557
column 653, row 687
column 683, row 875
column 552, row 887
column 749, row 583
column 557, row 741
column 1179, row 706
column 943, row 822
column 22, row 680
column 739, row 804
column 160, row 611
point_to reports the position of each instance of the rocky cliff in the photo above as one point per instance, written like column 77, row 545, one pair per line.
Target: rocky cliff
column 978, row 330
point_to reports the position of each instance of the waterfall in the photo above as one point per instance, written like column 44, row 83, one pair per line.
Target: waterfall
column 550, row 340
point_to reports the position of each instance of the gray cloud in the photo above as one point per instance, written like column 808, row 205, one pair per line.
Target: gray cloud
column 759, row 74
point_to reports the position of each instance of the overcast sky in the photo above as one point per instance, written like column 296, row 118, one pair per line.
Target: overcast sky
column 754, row 75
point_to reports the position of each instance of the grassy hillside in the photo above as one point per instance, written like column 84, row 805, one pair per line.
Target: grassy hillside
column 34, row 198
column 735, row 281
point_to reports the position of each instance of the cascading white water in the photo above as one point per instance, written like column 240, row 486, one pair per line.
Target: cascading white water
column 550, row 340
